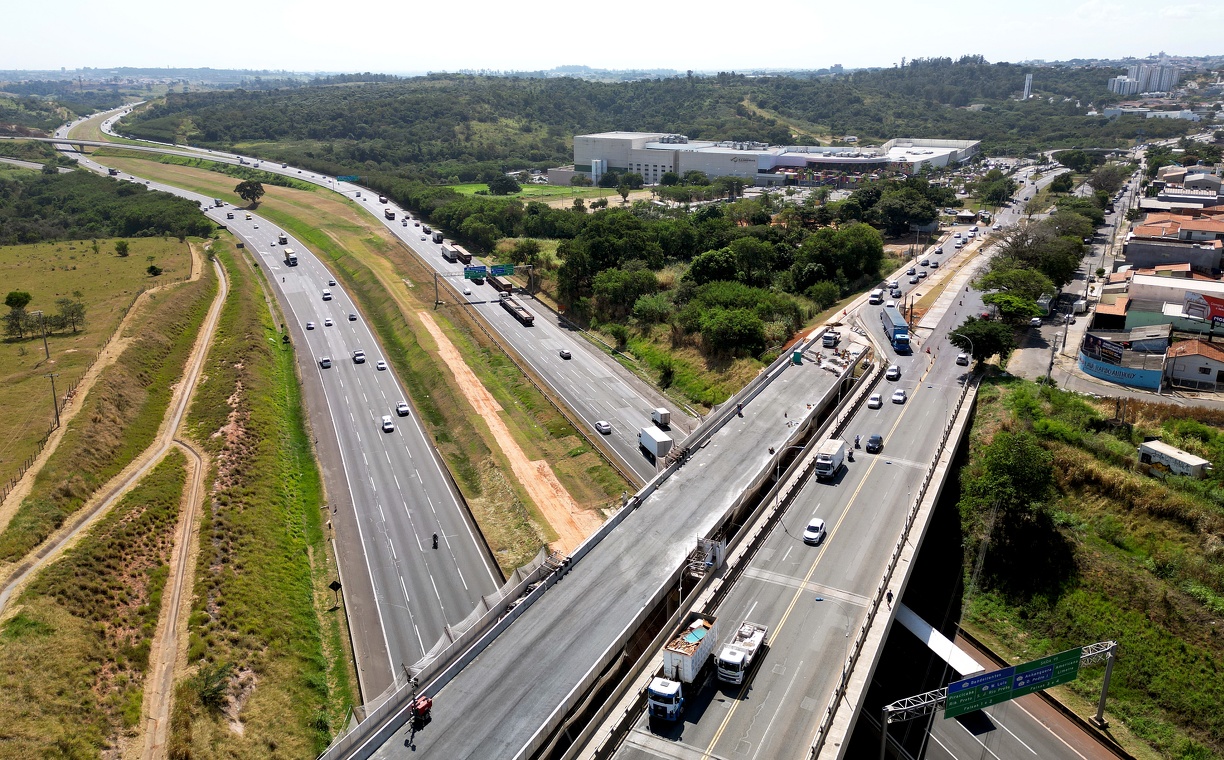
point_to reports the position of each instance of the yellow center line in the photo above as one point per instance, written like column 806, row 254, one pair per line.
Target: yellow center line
column 803, row 586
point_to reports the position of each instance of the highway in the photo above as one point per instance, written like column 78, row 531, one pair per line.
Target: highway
column 495, row 706
column 591, row 384
column 393, row 485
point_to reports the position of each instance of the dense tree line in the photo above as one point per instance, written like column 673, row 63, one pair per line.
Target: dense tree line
column 470, row 128
column 41, row 105
column 80, row 205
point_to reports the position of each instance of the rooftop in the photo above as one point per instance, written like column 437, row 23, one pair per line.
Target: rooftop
column 1197, row 347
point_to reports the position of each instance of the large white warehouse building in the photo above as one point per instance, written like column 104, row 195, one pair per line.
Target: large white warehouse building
column 651, row 154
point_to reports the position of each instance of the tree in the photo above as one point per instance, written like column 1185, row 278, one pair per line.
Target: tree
column 983, row 338
column 623, row 190
column 503, row 185
column 1062, row 184
column 1109, row 178
column 824, row 294
column 695, row 177
column 733, row 331
column 669, row 179
column 154, row 270
column 652, row 309
column 18, row 299
column 712, row 266
column 1013, row 308
column 1024, row 282
column 898, row 210
column 15, row 323
column 580, row 180
column 250, row 191
column 121, row 248
column 71, row 313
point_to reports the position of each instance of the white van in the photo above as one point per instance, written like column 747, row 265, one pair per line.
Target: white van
column 877, row 296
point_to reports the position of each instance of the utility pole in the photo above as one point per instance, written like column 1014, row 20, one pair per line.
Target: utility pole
column 42, row 326
column 54, row 398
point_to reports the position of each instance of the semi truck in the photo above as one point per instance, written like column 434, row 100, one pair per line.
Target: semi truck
column 520, row 312
column 829, row 458
column 501, row 285
column 450, row 254
column 738, row 653
column 463, row 253
column 290, row 257
column 437, row 236
column 654, row 442
column 389, row 214
column 896, row 328
column 684, row 664
column 661, row 416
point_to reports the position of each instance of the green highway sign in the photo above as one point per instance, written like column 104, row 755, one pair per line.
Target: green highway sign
column 474, row 273
column 347, row 178
column 499, row 270
column 986, row 689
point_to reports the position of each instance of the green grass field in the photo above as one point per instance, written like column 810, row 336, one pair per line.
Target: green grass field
column 538, row 191
column 49, row 271
column 119, row 417
column 85, row 626
column 262, row 605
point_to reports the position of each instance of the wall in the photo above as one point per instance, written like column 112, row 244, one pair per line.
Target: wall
column 1146, row 254
column 1194, row 369
column 1149, row 379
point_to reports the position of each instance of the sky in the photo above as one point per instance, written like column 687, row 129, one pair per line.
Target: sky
column 414, row 37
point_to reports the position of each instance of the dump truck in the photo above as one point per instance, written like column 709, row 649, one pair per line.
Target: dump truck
column 684, row 664
column 661, row 416
column 738, row 652
column 290, row 257
column 654, row 442
column 520, row 312
column 829, row 458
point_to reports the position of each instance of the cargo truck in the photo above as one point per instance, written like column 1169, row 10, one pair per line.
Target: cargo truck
column 831, row 339
column 738, row 653
column 520, row 312
column 829, row 458
column 501, row 285
column 661, row 417
column 462, row 253
column 437, row 236
column 290, row 257
column 450, row 254
column 896, row 328
column 654, row 442
column 684, row 664
column 389, row 214
column 282, row 238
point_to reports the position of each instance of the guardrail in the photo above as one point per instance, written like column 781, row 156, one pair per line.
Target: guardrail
column 878, row 597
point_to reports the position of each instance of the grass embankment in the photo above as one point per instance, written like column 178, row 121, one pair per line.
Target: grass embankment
column 73, row 658
column 1105, row 553
column 107, row 285
column 238, row 171
column 119, row 418
column 538, row 191
column 392, row 286
column 267, row 647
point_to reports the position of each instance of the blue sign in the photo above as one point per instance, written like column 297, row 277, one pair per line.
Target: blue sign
column 474, row 273
column 347, row 178
column 499, row 270
column 1134, row 378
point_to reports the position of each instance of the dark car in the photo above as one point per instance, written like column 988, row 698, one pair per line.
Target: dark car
column 875, row 444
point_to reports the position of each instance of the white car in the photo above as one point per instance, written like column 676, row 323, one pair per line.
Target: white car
column 380, row 365
column 893, row 373
column 815, row 532
column 962, row 359
column 898, row 396
column 875, row 401
column 402, row 408
column 388, row 425
column 310, row 325
column 603, row 426
column 328, row 322
column 467, row 290
column 325, row 362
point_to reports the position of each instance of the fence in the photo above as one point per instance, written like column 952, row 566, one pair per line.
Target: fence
column 62, row 404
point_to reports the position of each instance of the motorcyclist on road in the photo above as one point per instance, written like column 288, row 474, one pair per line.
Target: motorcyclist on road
column 856, row 441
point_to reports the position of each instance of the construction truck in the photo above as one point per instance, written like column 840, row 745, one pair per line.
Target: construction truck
column 738, row 653
column 684, row 664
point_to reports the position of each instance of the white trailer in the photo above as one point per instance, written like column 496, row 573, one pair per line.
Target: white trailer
column 661, row 417
column 654, row 441
column 684, row 660
column 829, row 458
column 1162, row 459
column 737, row 655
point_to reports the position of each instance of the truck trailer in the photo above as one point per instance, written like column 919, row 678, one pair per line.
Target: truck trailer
column 290, row 257
column 896, row 328
column 389, row 214
column 654, row 442
column 501, row 285
column 738, row 653
column 462, row 253
column 1161, row 459
column 829, row 458
column 520, row 312
column 450, row 254
column 684, row 664
column 437, row 236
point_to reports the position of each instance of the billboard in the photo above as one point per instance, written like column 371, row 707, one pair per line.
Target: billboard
column 1100, row 348
column 1206, row 308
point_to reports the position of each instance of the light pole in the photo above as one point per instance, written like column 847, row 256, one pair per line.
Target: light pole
column 843, row 609
column 54, row 398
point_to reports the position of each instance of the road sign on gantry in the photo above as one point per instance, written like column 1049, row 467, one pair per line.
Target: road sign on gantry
column 475, row 273
column 985, row 689
column 501, row 270
column 347, row 178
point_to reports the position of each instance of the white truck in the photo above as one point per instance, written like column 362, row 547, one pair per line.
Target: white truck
column 831, row 339
column 654, row 442
column 684, row 661
column 739, row 651
column 829, row 458
column 661, row 417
